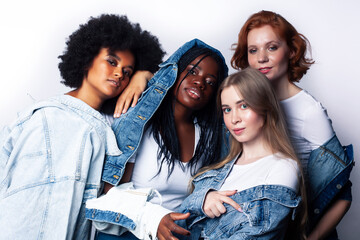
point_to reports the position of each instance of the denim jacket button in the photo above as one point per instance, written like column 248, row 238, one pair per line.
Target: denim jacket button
column 338, row 186
column 316, row 211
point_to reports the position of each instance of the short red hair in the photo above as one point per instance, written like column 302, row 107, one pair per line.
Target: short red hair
column 297, row 43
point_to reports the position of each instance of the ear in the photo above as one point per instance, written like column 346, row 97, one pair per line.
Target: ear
column 292, row 54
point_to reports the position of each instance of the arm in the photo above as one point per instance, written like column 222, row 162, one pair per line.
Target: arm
column 213, row 206
column 126, row 207
column 167, row 226
column 330, row 219
column 125, row 178
column 132, row 92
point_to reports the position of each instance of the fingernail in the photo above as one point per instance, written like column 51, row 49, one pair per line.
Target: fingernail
column 240, row 210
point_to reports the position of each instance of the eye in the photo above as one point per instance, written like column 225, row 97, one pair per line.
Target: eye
column 127, row 72
column 252, row 50
column 243, row 106
column 273, row 48
column 112, row 62
column 192, row 71
column 226, row 110
column 211, row 82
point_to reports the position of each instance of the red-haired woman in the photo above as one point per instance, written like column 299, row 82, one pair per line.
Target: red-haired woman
column 269, row 43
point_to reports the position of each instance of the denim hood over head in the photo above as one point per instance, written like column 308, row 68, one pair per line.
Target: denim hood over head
column 132, row 124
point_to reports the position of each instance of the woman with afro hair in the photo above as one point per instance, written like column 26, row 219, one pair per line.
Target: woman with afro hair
column 51, row 157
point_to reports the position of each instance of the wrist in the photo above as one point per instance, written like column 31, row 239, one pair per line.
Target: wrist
column 146, row 74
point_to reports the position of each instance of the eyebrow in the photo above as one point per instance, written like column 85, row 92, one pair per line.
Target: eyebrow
column 111, row 54
column 277, row 42
column 238, row 102
column 193, row 66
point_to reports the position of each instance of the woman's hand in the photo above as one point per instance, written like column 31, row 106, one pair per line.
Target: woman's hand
column 132, row 92
column 167, row 226
column 214, row 203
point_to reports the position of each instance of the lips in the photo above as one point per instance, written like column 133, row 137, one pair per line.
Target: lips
column 114, row 83
column 265, row 70
column 238, row 131
column 193, row 93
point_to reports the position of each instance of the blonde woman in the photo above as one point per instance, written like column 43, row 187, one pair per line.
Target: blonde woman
column 261, row 167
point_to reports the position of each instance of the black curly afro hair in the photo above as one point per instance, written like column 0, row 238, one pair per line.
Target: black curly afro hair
column 107, row 31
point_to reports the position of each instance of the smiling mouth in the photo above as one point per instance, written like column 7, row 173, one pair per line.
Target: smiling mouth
column 265, row 70
column 193, row 93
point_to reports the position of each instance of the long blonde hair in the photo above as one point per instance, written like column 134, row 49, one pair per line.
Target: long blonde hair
column 259, row 95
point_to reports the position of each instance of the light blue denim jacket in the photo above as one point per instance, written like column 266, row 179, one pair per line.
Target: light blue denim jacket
column 51, row 160
column 329, row 170
column 129, row 127
column 267, row 209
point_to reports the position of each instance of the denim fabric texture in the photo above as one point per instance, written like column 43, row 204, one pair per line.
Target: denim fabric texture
column 51, row 160
column 129, row 127
column 329, row 170
column 125, row 236
column 258, row 220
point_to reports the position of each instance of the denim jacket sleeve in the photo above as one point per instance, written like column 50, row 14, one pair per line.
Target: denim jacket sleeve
column 210, row 180
column 329, row 170
column 125, row 208
column 49, row 175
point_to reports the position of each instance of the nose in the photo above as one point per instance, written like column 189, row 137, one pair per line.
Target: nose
column 235, row 116
column 200, row 82
column 118, row 73
column 262, row 56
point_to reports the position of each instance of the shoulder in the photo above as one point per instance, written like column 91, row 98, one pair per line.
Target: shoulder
column 280, row 161
column 302, row 101
column 284, row 171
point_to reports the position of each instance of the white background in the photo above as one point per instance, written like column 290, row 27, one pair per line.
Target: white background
column 33, row 35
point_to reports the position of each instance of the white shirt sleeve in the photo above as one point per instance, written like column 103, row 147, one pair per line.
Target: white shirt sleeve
column 317, row 125
column 133, row 203
column 284, row 172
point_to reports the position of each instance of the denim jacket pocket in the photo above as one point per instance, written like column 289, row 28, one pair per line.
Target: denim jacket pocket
column 21, row 178
column 249, row 222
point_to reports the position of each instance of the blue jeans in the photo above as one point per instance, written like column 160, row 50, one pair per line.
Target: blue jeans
column 125, row 236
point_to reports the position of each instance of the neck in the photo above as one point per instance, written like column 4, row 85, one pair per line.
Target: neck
column 182, row 115
column 253, row 151
column 284, row 88
column 81, row 94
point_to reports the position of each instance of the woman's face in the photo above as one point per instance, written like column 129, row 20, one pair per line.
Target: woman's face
column 268, row 53
column 109, row 73
column 195, row 91
column 244, row 124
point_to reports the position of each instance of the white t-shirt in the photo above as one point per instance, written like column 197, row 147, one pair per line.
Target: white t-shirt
column 308, row 123
column 173, row 189
column 270, row 170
